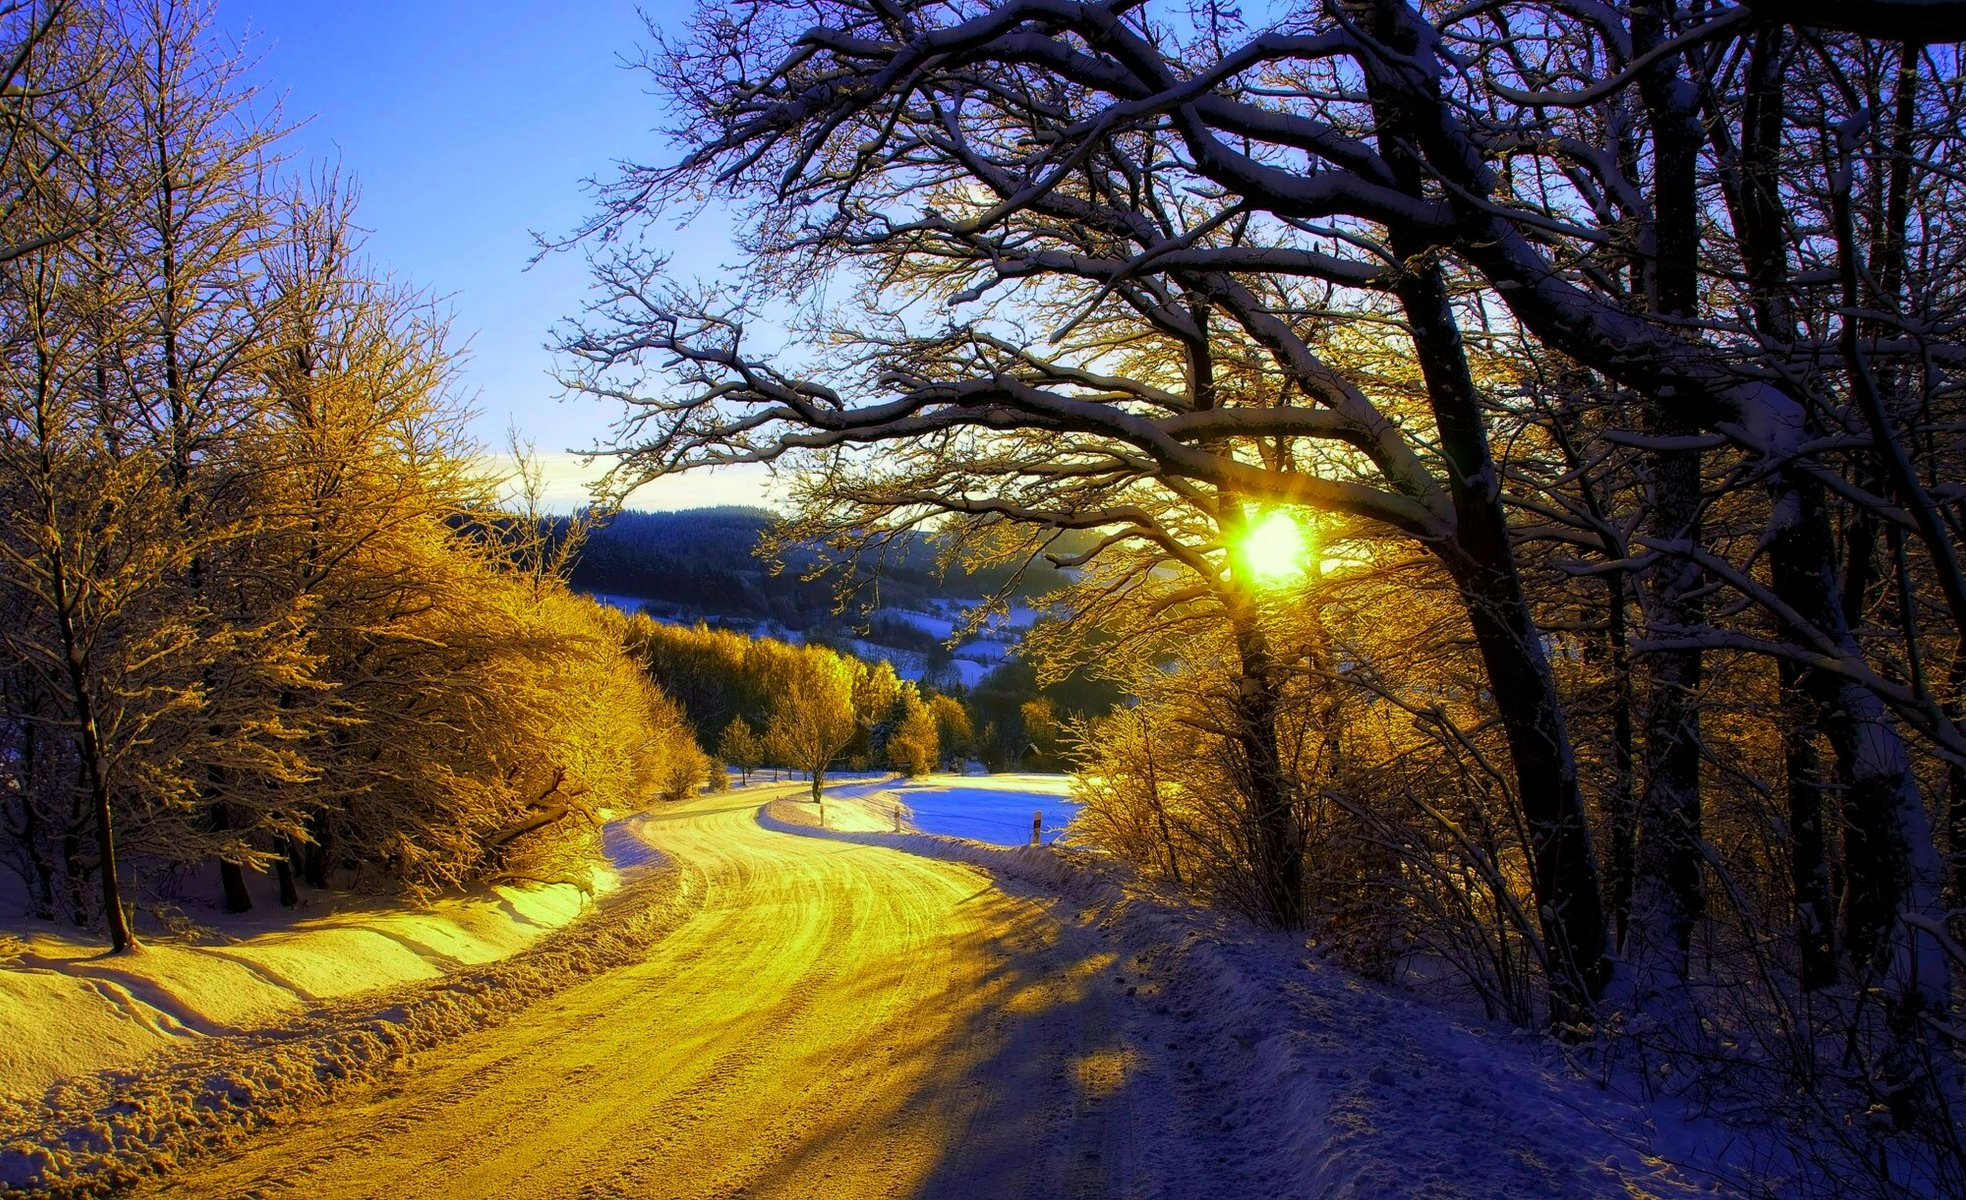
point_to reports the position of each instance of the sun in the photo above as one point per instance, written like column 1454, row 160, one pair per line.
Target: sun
column 1274, row 549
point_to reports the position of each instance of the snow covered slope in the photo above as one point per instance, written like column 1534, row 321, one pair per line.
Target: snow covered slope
column 67, row 1009
column 1329, row 1087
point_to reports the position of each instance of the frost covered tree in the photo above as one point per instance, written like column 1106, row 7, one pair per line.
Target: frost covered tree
column 914, row 746
column 739, row 746
column 814, row 721
column 954, row 732
column 994, row 211
column 262, row 609
column 1637, row 320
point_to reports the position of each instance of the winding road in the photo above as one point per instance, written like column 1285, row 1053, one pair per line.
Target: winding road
column 833, row 1020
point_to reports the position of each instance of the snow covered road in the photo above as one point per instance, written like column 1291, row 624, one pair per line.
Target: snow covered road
column 833, row 1021
column 840, row 1018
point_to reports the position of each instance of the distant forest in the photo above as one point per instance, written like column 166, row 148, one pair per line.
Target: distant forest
column 703, row 562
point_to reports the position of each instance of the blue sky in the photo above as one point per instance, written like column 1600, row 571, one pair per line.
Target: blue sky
column 469, row 125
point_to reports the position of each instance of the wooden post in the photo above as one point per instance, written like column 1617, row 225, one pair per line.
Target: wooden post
column 1037, row 827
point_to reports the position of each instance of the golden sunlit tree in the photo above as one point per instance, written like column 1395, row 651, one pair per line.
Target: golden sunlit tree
column 814, row 719
column 260, row 604
column 739, row 746
column 915, row 746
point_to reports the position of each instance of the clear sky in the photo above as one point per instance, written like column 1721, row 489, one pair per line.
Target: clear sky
column 470, row 124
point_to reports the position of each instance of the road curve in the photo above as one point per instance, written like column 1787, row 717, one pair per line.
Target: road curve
column 834, row 1021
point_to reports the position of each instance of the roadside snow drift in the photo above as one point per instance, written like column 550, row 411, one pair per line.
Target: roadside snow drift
column 68, row 1009
column 204, row 1044
column 1327, row 1086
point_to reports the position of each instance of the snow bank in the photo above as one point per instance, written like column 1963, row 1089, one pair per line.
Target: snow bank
column 1369, row 1093
column 67, row 1009
column 273, row 1044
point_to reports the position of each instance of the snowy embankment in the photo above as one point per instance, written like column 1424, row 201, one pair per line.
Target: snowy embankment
column 184, row 1048
column 67, row 1009
column 1367, row 1094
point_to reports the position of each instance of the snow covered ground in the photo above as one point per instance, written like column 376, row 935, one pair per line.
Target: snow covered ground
column 986, row 808
column 852, row 1012
column 117, row 1065
column 1328, row 1086
column 68, row 1009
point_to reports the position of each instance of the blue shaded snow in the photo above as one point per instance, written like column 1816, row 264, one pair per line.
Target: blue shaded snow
column 996, row 810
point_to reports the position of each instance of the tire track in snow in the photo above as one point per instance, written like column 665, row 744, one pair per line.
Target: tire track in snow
column 832, row 1021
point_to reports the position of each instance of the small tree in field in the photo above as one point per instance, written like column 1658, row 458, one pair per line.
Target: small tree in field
column 915, row 745
column 814, row 720
column 740, row 747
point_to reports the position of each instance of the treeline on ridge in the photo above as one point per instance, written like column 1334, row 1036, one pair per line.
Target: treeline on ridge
column 704, row 562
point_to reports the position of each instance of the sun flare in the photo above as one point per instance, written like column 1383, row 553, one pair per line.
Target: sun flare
column 1274, row 549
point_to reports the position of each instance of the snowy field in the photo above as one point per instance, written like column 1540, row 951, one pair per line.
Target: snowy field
column 984, row 808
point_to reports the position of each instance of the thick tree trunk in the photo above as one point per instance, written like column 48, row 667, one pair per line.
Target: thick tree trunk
column 1667, row 897
column 1890, row 870
column 1277, row 836
column 289, row 894
column 1563, row 866
column 1667, row 892
column 1761, row 216
column 232, row 877
column 1815, row 902
column 232, row 881
column 315, row 857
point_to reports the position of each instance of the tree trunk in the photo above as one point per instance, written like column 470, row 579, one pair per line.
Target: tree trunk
column 232, row 877
column 1889, row 868
column 314, row 857
column 1277, row 841
column 1624, row 803
column 77, row 873
column 1160, row 809
column 1666, row 897
column 95, row 765
column 1815, row 902
column 1563, row 867
column 44, row 871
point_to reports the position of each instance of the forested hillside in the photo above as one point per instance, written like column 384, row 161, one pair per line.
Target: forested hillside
column 759, row 701
column 705, row 562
